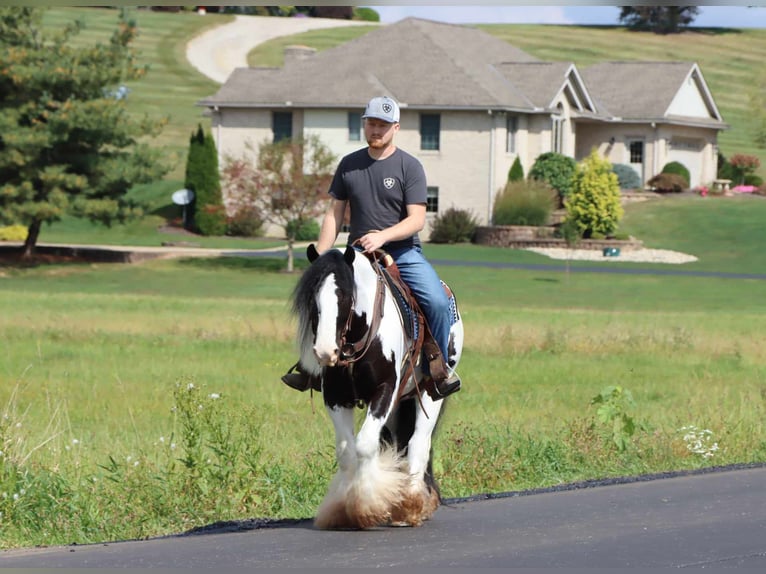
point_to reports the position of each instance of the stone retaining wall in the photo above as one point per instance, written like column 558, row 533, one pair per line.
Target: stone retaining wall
column 521, row 237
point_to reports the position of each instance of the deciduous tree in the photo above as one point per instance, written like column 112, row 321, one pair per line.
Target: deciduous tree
column 658, row 19
column 67, row 142
column 288, row 182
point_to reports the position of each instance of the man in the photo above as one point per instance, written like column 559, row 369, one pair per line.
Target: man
column 385, row 189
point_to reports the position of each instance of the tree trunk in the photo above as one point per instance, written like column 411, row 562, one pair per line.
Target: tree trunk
column 33, row 232
column 290, row 258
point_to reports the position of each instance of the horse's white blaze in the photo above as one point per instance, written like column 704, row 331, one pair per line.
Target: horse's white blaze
column 325, row 343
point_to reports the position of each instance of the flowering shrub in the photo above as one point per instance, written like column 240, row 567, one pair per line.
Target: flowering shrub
column 743, row 165
column 744, row 189
column 702, row 190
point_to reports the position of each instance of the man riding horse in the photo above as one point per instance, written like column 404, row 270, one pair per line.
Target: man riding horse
column 384, row 188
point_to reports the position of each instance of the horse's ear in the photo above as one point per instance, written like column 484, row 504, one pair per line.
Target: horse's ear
column 349, row 254
column 312, row 253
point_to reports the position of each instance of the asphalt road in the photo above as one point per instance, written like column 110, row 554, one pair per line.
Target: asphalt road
column 710, row 519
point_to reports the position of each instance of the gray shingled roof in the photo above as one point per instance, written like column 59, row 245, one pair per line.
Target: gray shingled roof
column 418, row 62
column 635, row 90
column 425, row 64
column 538, row 81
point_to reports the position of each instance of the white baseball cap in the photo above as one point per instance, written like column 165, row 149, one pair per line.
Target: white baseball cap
column 382, row 108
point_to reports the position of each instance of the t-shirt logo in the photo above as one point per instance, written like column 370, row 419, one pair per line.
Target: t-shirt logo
column 389, row 182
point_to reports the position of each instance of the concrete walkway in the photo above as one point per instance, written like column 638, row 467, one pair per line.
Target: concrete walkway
column 218, row 51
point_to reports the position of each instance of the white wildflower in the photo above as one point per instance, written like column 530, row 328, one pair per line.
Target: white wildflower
column 214, row 396
column 699, row 441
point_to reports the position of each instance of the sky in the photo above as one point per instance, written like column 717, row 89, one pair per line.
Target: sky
column 709, row 16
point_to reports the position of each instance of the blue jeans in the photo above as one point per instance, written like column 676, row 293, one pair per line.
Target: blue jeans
column 426, row 286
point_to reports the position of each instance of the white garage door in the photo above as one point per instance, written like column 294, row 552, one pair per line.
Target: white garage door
column 688, row 151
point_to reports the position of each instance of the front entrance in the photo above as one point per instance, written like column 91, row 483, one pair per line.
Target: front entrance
column 636, row 157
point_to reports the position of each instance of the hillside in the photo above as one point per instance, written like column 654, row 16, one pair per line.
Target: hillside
column 731, row 62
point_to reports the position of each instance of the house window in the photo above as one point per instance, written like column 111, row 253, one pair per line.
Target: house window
column 512, row 126
column 282, row 126
column 636, row 149
column 432, row 199
column 557, row 134
column 354, row 127
column 430, row 125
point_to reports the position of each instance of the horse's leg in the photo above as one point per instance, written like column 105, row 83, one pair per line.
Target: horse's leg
column 380, row 480
column 422, row 497
column 332, row 512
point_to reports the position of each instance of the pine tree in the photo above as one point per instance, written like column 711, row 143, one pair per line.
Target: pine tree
column 203, row 179
column 67, row 142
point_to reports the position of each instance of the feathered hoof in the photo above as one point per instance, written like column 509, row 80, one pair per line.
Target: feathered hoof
column 417, row 506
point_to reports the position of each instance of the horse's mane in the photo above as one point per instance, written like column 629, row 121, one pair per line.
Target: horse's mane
column 332, row 261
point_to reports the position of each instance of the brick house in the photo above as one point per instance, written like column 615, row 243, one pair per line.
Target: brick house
column 472, row 103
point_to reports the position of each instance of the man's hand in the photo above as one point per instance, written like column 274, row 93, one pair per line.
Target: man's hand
column 372, row 241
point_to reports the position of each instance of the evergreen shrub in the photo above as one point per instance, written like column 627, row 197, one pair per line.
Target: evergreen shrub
column 528, row 202
column 626, row 176
column 516, row 173
column 453, row 226
column 594, row 201
column 556, row 170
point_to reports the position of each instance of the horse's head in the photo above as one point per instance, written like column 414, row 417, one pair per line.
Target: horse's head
column 323, row 301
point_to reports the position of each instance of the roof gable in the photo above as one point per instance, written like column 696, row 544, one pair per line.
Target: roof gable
column 542, row 83
column 693, row 98
column 648, row 90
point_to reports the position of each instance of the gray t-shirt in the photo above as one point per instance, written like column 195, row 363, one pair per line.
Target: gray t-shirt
column 379, row 191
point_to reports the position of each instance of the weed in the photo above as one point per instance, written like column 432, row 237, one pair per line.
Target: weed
column 613, row 403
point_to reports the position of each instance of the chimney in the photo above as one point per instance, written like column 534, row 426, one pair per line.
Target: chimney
column 296, row 53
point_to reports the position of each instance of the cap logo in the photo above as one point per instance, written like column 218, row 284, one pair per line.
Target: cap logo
column 389, row 182
column 387, row 108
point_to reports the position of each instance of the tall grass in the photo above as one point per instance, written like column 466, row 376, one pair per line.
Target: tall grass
column 142, row 400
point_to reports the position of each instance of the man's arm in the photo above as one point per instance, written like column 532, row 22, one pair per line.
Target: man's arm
column 331, row 224
column 407, row 227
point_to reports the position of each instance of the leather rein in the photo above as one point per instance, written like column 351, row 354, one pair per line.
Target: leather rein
column 352, row 352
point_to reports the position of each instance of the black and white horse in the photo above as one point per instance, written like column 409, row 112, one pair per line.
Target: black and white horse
column 384, row 473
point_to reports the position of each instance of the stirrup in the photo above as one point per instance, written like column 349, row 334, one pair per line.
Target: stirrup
column 447, row 386
column 299, row 380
